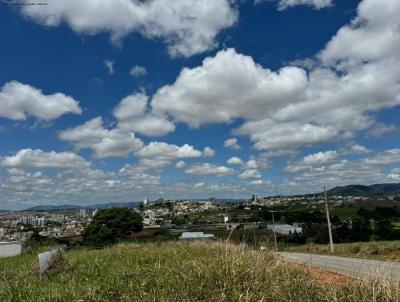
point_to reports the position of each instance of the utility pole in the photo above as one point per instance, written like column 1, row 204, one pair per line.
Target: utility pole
column 273, row 228
column 329, row 222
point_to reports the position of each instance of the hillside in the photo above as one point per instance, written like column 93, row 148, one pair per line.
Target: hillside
column 360, row 190
column 175, row 272
column 50, row 208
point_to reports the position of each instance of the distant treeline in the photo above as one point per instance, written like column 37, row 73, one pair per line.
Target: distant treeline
column 367, row 225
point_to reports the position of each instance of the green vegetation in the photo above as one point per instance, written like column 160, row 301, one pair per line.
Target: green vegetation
column 175, row 272
column 111, row 225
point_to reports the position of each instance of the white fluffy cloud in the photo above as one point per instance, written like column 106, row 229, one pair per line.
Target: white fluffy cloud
column 234, row 161
column 157, row 155
column 28, row 158
column 316, row 4
column 250, row 174
column 168, row 151
column 208, row 152
column 231, row 143
column 334, row 171
column 320, row 158
column 268, row 135
column 138, row 71
column 18, row 101
column 187, row 26
column 209, row 169
column 103, row 142
column 180, row 164
column 373, row 35
column 359, row 149
column 290, row 108
column 387, row 157
column 244, row 89
column 357, row 76
column 134, row 115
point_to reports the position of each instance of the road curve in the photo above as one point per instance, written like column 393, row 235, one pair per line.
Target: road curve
column 354, row 267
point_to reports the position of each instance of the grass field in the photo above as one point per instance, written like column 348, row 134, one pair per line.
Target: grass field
column 175, row 272
column 383, row 250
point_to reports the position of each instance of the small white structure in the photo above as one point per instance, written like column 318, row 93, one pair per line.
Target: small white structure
column 284, row 229
column 191, row 236
column 226, row 219
column 9, row 249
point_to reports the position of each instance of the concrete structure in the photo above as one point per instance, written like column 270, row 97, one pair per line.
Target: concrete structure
column 191, row 236
column 226, row 219
column 9, row 249
column 284, row 229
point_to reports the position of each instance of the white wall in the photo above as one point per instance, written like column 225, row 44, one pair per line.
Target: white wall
column 10, row 249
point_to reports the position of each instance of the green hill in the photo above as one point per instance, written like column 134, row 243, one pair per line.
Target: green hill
column 174, row 272
column 360, row 190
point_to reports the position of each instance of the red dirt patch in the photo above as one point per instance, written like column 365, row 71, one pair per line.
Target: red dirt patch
column 325, row 278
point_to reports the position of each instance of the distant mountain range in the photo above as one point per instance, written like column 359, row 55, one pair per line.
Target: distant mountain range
column 89, row 207
column 360, row 190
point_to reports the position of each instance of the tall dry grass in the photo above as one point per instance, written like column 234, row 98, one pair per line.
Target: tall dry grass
column 175, row 272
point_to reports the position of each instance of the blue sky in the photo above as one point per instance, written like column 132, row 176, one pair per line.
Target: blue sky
column 104, row 102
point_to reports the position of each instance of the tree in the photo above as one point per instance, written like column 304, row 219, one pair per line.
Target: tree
column 110, row 225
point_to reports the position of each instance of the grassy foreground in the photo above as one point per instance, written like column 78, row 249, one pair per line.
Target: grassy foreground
column 175, row 272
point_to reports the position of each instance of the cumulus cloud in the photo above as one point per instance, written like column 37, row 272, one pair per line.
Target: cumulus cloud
column 168, row 151
column 28, row 158
column 251, row 164
column 359, row 149
column 209, row 169
column 311, row 161
column 134, row 115
column 180, row 164
column 320, row 158
column 103, row 142
column 231, row 143
column 355, row 76
column 394, row 174
column 18, row 101
column 256, row 182
column 138, row 71
column 391, row 156
column 316, row 4
column 373, row 35
column 331, row 171
column 245, row 89
column 250, row 174
column 234, row 161
column 268, row 135
column 187, row 27
column 208, row 152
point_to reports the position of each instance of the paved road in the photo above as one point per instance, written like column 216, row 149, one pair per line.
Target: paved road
column 353, row 267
